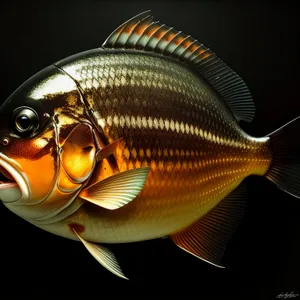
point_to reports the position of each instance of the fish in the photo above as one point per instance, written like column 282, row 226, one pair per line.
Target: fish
column 136, row 140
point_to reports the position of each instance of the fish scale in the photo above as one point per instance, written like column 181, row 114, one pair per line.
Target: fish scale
column 153, row 102
column 172, row 122
column 136, row 140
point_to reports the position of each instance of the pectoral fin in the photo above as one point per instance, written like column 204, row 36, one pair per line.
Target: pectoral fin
column 104, row 256
column 117, row 190
column 208, row 237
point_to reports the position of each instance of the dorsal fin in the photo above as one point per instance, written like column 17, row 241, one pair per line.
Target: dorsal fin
column 142, row 33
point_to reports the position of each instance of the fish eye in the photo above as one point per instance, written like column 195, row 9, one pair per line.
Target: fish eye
column 5, row 141
column 25, row 121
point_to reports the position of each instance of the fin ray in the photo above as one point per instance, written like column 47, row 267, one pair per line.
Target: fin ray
column 285, row 167
column 117, row 190
column 142, row 33
column 208, row 237
column 103, row 255
column 114, row 36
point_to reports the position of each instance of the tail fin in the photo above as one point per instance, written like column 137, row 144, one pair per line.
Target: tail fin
column 285, row 167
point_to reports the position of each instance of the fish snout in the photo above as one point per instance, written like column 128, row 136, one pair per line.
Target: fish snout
column 13, row 185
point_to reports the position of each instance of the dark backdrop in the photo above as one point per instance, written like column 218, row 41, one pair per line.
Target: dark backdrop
column 261, row 43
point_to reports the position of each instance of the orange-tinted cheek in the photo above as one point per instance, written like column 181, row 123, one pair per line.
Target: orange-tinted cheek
column 38, row 161
column 41, row 175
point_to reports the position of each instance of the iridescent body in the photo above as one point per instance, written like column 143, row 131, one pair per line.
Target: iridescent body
column 138, row 140
column 173, row 122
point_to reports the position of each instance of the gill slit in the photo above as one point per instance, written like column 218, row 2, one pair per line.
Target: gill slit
column 84, row 103
column 54, row 213
column 48, row 218
column 112, row 161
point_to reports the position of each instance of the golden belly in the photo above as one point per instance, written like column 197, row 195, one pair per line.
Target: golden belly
column 177, row 193
column 174, row 196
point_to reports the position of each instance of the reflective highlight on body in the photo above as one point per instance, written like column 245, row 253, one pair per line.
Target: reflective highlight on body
column 137, row 140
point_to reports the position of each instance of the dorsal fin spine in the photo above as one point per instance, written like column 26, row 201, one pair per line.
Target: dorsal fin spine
column 162, row 43
column 197, row 57
column 170, row 38
column 129, row 33
column 193, row 54
column 167, row 50
column 179, row 48
column 177, row 44
column 152, row 34
column 113, row 37
column 142, row 33
column 145, row 36
column 187, row 51
column 206, row 60
column 152, row 41
column 123, row 35
column 139, row 30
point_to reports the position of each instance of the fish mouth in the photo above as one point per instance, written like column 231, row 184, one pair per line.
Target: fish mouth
column 6, row 180
column 13, row 184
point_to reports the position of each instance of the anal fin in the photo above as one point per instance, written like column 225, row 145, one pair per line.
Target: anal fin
column 103, row 255
column 207, row 238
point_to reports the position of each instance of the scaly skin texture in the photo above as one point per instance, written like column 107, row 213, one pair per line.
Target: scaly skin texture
column 173, row 122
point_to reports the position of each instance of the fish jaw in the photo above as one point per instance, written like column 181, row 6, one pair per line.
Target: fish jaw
column 14, row 186
column 10, row 191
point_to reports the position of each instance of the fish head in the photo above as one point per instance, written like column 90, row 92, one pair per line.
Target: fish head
column 34, row 122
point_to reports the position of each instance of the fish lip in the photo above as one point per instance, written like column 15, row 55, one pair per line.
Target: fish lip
column 19, row 177
column 7, row 185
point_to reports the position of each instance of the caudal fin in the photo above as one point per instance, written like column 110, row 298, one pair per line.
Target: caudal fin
column 285, row 167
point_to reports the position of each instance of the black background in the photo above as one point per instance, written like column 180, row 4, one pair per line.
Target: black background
column 260, row 41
